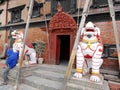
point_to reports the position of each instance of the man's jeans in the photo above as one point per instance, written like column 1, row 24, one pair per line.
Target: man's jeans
column 6, row 72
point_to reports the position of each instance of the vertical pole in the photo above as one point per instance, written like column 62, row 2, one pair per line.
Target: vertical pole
column 74, row 50
column 46, row 25
column 6, row 21
column 78, row 11
column 24, row 40
column 116, row 33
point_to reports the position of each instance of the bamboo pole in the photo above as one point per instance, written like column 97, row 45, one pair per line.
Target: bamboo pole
column 24, row 40
column 47, row 29
column 74, row 50
column 116, row 33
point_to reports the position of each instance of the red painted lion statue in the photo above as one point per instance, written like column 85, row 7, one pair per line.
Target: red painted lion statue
column 29, row 50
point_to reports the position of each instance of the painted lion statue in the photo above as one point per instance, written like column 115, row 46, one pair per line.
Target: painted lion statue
column 29, row 50
column 89, row 52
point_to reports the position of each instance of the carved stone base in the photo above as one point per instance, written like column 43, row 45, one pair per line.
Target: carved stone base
column 85, row 84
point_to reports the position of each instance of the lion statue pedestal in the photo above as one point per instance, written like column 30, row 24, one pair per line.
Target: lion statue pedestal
column 85, row 83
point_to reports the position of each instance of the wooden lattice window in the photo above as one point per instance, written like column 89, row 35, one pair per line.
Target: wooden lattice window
column 117, row 1
column 100, row 3
column 36, row 9
column 16, row 14
column 2, row 1
column 67, row 6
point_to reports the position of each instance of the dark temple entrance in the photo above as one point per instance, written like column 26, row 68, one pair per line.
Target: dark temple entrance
column 64, row 49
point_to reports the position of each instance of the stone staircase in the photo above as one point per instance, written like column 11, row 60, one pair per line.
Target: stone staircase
column 50, row 77
column 47, row 77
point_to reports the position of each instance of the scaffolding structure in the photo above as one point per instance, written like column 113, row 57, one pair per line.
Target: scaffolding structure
column 81, row 25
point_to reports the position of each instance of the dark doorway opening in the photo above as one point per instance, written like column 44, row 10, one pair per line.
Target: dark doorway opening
column 64, row 49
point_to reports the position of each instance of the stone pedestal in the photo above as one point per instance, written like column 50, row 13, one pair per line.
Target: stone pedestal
column 85, row 84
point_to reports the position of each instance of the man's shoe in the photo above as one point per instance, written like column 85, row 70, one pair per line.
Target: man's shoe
column 4, row 83
column 7, row 78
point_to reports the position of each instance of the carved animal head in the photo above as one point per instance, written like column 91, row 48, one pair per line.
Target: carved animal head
column 17, row 34
column 90, row 31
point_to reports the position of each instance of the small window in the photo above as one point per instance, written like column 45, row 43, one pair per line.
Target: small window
column 100, row 3
column 1, row 11
column 2, row 1
column 16, row 14
column 36, row 9
column 67, row 6
column 117, row 1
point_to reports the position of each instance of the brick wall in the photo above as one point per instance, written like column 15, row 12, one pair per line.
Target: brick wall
column 2, row 40
column 3, row 14
column 3, row 22
column 107, row 33
column 35, row 33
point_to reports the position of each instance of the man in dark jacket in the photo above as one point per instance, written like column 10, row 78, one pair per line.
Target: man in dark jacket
column 13, row 56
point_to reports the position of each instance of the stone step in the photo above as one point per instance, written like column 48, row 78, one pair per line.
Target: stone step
column 53, row 68
column 42, row 83
column 22, row 87
column 72, row 86
column 27, row 87
column 49, row 75
column 26, row 71
column 86, row 83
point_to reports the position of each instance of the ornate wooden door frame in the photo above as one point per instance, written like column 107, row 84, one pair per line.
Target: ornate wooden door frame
column 60, row 24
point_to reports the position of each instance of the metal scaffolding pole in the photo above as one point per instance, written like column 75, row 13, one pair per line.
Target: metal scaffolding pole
column 116, row 33
column 18, row 80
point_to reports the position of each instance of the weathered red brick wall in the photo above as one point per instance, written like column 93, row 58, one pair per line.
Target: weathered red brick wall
column 107, row 35
column 107, row 32
column 37, row 33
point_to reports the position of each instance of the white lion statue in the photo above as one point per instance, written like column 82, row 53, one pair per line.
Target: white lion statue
column 29, row 50
column 90, row 49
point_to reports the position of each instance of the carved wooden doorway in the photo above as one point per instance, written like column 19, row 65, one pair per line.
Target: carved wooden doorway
column 62, row 31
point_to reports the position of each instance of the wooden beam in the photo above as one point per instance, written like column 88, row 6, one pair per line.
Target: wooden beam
column 17, row 87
